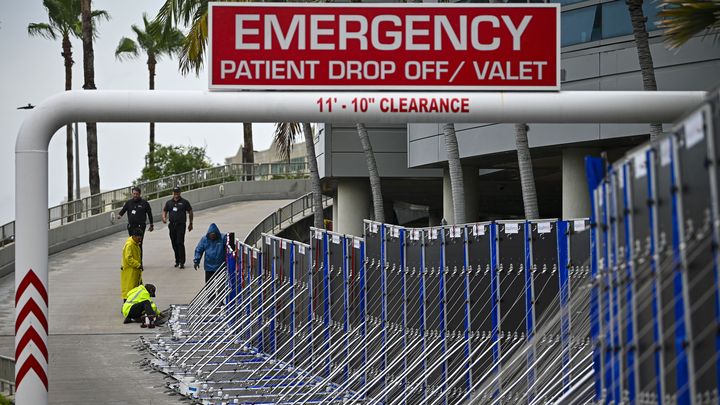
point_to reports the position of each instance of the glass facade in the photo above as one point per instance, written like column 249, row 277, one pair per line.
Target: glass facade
column 594, row 22
column 601, row 21
column 581, row 25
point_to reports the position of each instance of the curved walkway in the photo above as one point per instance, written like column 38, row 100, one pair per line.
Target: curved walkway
column 91, row 358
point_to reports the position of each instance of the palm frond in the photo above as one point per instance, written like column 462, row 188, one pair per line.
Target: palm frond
column 172, row 42
column 188, row 10
column 41, row 30
column 167, row 15
column 683, row 19
column 76, row 29
column 144, row 39
column 284, row 138
column 154, row 41
column 98, row 15
column 59, row 11
column 193, row 52
column 126, row 49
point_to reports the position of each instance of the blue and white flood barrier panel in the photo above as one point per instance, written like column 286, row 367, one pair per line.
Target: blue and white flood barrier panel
column 621, row 308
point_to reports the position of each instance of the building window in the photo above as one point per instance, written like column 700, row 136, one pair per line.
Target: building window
column 601, row 21
column 563, row 2
column 616, row 19
column 581, row 25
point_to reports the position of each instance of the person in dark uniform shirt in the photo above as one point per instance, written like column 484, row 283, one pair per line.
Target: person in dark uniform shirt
column 178, row 211
column 137, row 209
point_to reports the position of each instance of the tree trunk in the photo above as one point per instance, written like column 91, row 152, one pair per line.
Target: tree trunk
column 87, row 40
column 314, row 176
column 93, row 166
column 152, row 62
column 378, row 206
column 647, row 67
column 89, row 76
column 527, row 179
column 248, row 152
column 67, row 56
column 248, row 155
column 456, row 173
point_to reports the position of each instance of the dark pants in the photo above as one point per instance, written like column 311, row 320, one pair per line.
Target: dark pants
column 177, row 238
column 140, row 308
column 208, row 276
column 131, row 227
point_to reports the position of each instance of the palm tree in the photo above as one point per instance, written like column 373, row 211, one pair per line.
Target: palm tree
column 527, row 179
column 88, row 34
column 647, row 68
column 63, row 21
column 285, row 134
column 373, row 174
column 683, row 19
column 156, row 42
column 456, row 174
column 194, row 13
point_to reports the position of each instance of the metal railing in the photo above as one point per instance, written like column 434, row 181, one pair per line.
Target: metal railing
column 7, row 233
column 113, row 200
column 273, row 223
column 7, row 375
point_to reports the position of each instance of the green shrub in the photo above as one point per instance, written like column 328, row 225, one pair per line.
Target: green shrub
column 4, row 401
column 171, row 159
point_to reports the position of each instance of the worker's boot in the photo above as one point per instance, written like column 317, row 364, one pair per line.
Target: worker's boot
column 152, row 322
column 146, row 323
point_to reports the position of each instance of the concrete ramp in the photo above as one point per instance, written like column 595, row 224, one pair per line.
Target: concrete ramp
column 91, row 354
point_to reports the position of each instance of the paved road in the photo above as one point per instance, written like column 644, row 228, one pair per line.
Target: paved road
column 91, row 354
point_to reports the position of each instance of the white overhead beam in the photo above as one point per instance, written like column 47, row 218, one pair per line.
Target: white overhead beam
column 197, row 106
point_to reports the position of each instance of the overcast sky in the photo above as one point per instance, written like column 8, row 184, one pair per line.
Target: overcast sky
column 32, row 69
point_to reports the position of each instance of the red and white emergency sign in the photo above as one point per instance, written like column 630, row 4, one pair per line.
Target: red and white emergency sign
column 313, row 46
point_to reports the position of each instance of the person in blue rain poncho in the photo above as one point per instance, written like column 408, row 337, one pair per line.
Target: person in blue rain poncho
column 212, row 246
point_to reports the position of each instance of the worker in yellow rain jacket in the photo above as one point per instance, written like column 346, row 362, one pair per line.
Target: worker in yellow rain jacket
column 140, row 307
column 131, row 269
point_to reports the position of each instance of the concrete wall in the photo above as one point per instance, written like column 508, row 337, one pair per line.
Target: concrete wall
column 341, row 155
column 86, row 230
column 7, row 259
column 612, row 66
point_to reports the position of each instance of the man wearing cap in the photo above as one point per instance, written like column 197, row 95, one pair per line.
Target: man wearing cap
column 139, row 306
column 178, row 211
column 131, row 268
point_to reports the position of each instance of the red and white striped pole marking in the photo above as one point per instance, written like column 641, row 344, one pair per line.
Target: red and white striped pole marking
column 31, row 330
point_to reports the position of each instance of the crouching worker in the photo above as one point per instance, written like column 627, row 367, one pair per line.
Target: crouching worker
column 140, row 307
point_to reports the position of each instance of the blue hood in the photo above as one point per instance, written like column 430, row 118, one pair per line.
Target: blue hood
column 214, row 229
column 213, row 250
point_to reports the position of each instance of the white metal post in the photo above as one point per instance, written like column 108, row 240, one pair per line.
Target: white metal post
column 31, row 277
column 77, row 169
column 31, row 165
